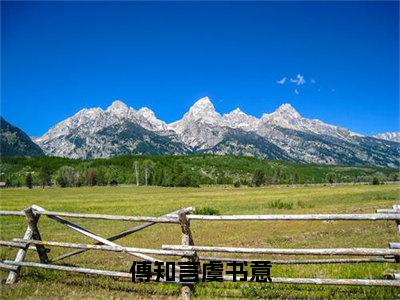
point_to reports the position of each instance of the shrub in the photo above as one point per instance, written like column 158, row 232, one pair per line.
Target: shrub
column 375, row 181
column 45, row 177
column 395, row 177
column 66, row 177
column 207, row 210
column 259, row 178
column 236, row 184
column 278, row 204
column 303, row 204
column 186, row 180
column 91, row 177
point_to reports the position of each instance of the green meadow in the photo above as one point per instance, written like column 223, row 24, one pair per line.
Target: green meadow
column 156, row 201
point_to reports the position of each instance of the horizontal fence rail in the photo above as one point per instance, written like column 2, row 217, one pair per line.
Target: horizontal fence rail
column 110, row 217
column 392, row 216
column 327, row 251
column 394, row 245
column 20, row 243
column 313, row 281
column 306, row 261
column 187, row 251
column 12, row 213
column 308, row 217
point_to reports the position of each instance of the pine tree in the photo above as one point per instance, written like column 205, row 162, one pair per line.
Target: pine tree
column 29, row 180
column 259, row 178
column 44, row 175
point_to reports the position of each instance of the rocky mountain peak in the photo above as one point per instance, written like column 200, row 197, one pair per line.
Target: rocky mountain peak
column 204, row 110
column 118, row 107
column 287, row 110
column 238, row 119
column 88, row 112
column 283, row 116
column 202, row 105
column 147, row 113
column 235, row 112
column 153, row 122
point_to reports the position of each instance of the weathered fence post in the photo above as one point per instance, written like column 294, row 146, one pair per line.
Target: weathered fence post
column 32, row 223
column 32, row 232
column 396, row 207
column 13, row 275
column 187, row 240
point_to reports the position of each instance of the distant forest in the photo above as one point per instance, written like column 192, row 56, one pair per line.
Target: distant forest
column 171, row 171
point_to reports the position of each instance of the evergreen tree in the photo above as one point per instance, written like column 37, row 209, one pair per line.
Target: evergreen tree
column 375, row 181
column 330, row 177
column 395, row 177
column 259, row 178
column 29, row 180
column 44, row 177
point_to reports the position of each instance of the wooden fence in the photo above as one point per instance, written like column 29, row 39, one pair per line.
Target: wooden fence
column 187, row 251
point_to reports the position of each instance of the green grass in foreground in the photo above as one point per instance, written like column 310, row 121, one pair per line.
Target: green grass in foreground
column 155, row 201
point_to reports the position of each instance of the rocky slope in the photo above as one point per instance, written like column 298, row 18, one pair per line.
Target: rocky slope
column 15, row 142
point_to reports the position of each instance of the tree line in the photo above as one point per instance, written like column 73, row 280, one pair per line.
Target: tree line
column 179, row 171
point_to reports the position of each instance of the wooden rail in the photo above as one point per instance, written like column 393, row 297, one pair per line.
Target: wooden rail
column 125, row 233
column 393, row 215
column 32, row 240
column 327, row 251
column 306, row 261
column 308, row 217
column 313, row 281
column 20, row 243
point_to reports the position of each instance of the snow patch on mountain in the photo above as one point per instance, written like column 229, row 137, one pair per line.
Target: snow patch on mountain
column 389, row 136
column 238, row 119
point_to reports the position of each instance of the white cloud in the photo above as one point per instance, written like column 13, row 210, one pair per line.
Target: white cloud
column 299, row 80
column 282, row 81
column 296, row 91
column 313, row 81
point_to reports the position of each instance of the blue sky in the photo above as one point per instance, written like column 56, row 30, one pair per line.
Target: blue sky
column 59, row 57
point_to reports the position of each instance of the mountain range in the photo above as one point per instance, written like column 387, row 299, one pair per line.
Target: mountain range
column 283, row 134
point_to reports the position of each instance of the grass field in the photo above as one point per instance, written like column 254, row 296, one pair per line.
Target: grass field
column 156, row 201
